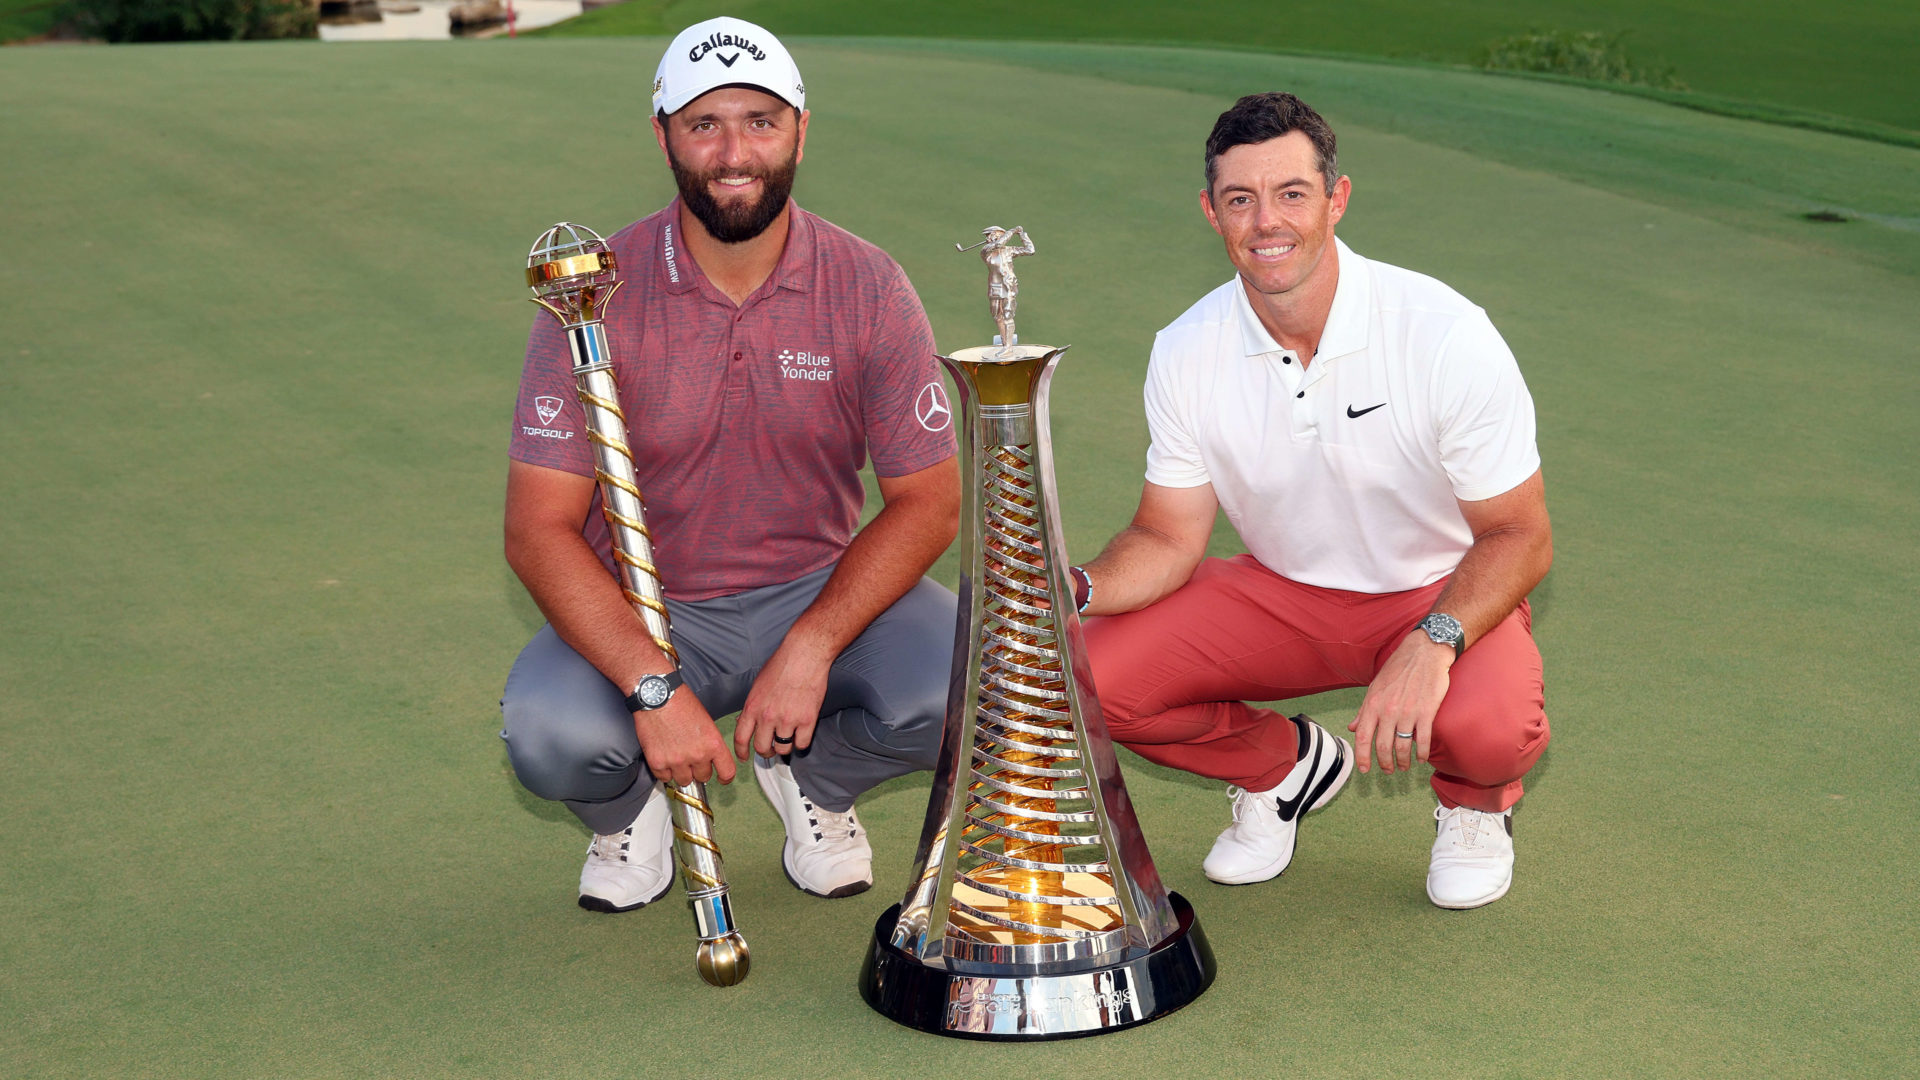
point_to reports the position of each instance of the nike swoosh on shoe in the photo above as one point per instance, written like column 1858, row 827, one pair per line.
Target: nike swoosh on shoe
column 1290, row 806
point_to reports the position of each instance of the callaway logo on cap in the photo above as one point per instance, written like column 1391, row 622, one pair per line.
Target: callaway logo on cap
column 725, row 52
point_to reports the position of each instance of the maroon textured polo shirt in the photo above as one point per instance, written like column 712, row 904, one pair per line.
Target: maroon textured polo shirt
column 749, row 424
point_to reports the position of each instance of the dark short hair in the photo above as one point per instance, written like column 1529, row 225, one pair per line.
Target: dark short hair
column 1259, row 117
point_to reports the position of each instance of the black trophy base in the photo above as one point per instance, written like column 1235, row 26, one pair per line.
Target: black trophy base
column 1023, row 1006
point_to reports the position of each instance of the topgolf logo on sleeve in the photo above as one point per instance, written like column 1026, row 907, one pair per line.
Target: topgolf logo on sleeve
column 546, row 407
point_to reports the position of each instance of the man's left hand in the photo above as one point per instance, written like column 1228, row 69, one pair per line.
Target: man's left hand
column 784, row 704
column 1403, row 697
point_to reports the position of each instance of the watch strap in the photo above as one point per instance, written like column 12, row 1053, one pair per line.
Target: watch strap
column 674, row 681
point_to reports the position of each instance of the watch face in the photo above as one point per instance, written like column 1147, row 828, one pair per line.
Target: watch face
column 654, row 691
column 1444, row 629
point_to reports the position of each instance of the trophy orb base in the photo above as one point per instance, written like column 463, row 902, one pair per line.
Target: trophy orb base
column 1020, row 1007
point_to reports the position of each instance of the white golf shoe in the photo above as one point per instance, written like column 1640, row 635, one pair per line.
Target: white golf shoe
column 1260, row 842
column 1472, row 860
column 633, row 867
column 826, row 853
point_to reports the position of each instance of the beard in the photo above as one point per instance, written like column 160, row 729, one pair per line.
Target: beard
column 736, row 221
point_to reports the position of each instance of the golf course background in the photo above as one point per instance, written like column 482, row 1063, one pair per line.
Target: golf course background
column 1845, row 59
column 263, row 327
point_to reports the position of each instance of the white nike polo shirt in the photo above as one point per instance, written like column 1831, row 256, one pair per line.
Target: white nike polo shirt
column 1344, row 475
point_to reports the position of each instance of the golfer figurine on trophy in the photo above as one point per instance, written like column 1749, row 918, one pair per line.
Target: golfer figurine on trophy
column 1003, row 288
column 1035, row 910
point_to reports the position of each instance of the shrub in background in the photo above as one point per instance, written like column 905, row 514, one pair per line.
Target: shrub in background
column 1582, row 54
column 191, row 20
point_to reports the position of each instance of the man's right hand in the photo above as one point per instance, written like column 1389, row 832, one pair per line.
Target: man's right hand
column 681, row 743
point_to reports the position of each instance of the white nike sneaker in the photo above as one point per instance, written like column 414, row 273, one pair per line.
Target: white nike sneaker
column 1259, row 844
column 633, row 867
column 826, row 854
column 1472, row 861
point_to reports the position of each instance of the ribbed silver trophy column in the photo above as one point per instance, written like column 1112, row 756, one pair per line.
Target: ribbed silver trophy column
column 1035, row 911
column 572, row 274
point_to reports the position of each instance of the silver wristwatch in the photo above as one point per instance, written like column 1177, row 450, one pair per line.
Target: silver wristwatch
column 653, row 691
column 1444, row 629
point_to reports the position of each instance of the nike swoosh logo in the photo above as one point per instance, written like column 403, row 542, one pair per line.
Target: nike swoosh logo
column 1313, row 782
column 726, row 61
column 1351, row 415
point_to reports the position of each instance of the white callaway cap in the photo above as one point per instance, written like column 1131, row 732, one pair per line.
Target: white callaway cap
column 725, row 52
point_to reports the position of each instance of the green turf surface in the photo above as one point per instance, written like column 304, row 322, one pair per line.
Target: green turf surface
column 25, row 18
column 263, row 332
column 1852, row 59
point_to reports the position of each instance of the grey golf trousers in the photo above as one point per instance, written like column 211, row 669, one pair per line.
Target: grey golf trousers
column 570, row 736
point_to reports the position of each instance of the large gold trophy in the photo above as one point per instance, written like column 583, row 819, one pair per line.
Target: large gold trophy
column 572, row 274
column 1035, row 911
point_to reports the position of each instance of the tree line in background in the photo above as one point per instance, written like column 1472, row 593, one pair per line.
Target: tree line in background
column 190, row 20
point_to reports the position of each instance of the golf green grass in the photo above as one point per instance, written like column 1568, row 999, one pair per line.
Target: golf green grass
column 25, row 18
column 1852, row 58
column 263, row 327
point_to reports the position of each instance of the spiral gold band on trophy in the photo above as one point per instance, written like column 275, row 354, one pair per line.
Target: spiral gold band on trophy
column 1028, row 803
column 573, row 276
column 1036, row 911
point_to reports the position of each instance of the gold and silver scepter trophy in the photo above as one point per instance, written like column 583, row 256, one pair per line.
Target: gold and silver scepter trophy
column 1035, row 910
column 572, row 274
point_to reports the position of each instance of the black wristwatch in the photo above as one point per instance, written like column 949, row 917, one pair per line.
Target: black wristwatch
column 653, row 691
column 1444, row 629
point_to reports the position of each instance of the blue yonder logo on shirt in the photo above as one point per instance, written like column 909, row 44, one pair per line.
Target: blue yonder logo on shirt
column 812, row 367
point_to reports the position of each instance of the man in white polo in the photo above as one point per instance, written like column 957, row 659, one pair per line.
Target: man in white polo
column 1369, row 435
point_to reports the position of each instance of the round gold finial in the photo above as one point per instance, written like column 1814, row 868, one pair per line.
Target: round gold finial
column 725, row 961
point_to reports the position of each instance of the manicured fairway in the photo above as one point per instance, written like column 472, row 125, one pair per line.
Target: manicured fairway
column 24, row 18
column 263, row 325
column 1850, row 58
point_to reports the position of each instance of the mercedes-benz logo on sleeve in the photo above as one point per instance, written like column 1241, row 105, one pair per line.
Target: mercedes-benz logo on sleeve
column 931, row 408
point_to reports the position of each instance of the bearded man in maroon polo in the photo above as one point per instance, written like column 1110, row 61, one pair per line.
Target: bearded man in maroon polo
column 763, row 356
